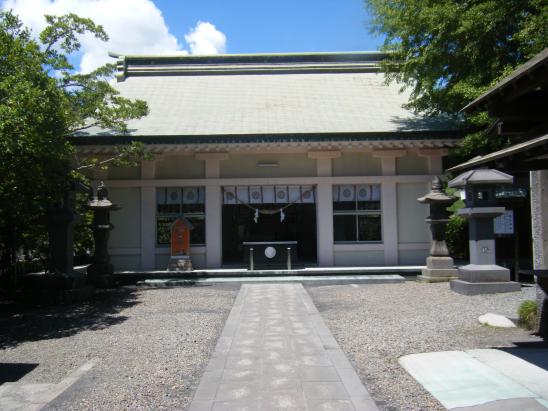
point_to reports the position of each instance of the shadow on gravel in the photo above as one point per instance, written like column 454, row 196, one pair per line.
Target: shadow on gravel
column 19, row 324
column 11, row 372
column 535, row 352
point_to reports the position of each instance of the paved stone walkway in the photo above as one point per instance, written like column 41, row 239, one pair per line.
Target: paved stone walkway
column 276, row 353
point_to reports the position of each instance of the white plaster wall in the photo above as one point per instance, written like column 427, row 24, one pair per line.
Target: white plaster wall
column 127, row 221
column 411, row 164
column 359, row 258
column 124, row 173
column 126, row 262
column 413, row 257
column 179, row 166
column 357, row 164
column 411, row 214
column 289, row 165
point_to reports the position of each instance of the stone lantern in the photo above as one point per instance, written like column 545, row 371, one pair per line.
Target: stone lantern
column 101, row 271
column 439, row 265
column 482, row 275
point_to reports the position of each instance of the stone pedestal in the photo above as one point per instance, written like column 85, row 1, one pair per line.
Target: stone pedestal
column 101, row 271
column 483, row 279
column 482, row 275
column 439, row 266
column 179, row 263
column 438, row 269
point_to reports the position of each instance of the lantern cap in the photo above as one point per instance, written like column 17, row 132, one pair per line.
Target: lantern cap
column 436, row 194
column 481, row 176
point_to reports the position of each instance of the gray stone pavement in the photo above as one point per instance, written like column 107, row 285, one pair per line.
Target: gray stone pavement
column 276, row 353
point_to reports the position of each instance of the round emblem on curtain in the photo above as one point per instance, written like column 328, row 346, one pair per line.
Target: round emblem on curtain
column 306, row 195
column 230, row 195
column 255, row 195
column 363, row 192
column 270, row 252
column 281, row 194
column 347, row 193
column 190, row 195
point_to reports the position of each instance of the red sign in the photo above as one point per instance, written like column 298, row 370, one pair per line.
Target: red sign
column 180, row 238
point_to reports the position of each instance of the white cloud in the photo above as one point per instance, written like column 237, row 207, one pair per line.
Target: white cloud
column 206, row 39
column 133, row 26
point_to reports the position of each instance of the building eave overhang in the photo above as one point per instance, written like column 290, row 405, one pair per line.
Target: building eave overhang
column 536, row 66
column 492, row 158
column 415, row 139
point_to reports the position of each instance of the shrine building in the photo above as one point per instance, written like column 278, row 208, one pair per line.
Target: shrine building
column 311, row 151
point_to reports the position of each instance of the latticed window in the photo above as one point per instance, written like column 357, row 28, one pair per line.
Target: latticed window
column 173, row 202
column 357, row 214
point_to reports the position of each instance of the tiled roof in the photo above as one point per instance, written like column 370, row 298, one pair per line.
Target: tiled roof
column 331, row 94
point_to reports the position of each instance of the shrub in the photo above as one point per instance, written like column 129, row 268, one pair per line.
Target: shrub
column 527, row 312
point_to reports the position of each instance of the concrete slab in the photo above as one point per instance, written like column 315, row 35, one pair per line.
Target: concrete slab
column 341, row 279
column 526, row 374
column 475, row 288
column 244, row 271
column 275, row 353
column 478, row 380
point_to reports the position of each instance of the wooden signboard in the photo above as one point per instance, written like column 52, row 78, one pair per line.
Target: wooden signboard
column 180, row 238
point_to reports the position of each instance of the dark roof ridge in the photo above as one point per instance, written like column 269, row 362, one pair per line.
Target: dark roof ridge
column 259, row 63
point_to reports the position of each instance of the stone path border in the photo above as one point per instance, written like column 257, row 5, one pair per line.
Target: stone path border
column 34, row 397
column 275, row 352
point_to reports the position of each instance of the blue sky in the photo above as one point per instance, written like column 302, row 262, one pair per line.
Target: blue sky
column 208, row 26
column 277, row 25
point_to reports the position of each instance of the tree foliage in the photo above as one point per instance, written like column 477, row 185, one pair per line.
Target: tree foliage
column 42, row 101
column 448, row 52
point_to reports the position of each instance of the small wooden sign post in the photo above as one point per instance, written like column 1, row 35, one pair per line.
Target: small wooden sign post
column 180, row 245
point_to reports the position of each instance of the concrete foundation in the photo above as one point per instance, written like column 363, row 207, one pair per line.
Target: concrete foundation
column 438, row 269
column 483, row 279
column 469, row 288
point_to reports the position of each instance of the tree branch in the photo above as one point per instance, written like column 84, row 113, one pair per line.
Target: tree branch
column 100, row 163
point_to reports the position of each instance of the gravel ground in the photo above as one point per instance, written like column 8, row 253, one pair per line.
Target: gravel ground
column 377, row 324
column 151, row 344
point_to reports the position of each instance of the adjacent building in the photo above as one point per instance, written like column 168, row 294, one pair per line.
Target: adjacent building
column 313, row 149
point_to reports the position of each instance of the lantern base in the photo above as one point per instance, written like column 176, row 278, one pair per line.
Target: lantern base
column 437, row 270
column 467, row 288
column 179, row 263
column 483, row 279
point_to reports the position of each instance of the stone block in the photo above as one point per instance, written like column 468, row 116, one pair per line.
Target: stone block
column 437, row 276
column 475, row 288
column 475, row 273
column 438, row 263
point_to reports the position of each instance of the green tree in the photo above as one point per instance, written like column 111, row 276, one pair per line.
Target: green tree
column 42, row 101
column 448, row 52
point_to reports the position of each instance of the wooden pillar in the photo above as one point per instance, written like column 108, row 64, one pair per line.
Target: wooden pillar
column 389, row 204
column 213, row 209
column 324, row 206
column 148, row 217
